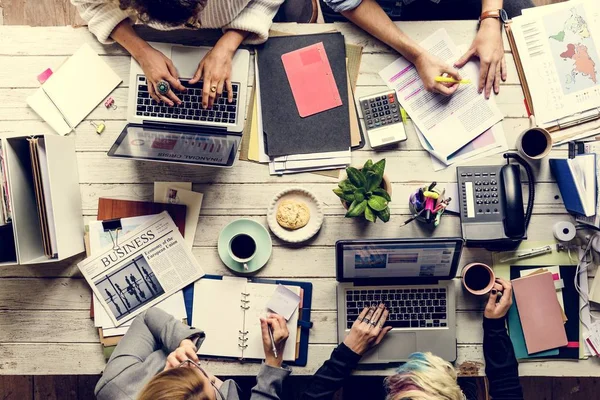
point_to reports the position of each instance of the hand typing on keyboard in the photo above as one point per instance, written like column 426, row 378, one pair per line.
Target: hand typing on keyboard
column 215, row 68
column 368, row 330
column 157, row 67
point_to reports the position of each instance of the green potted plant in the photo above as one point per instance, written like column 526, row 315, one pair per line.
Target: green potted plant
column 366, row 192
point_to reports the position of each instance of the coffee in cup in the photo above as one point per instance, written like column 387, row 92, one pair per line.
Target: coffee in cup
column 534, row 143
column 478, row 278
column 242, row 248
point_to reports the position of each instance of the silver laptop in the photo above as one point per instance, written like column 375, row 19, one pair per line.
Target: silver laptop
column 187, row 133
column 413, row 277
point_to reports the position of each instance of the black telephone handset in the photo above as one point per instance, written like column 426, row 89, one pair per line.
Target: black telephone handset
column 491, row 204
column 511, row 197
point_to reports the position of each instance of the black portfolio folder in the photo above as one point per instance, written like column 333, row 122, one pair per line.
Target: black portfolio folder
column 285, row 131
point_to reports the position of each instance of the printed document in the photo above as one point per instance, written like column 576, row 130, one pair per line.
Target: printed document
column 99, row 239
column 448, row 122
column 490, row 142
column 141, row 268
column 558, row 47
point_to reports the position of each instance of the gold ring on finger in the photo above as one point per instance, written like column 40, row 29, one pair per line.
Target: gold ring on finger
column 213, row 89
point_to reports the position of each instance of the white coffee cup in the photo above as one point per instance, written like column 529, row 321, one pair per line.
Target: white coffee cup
column 534, row 143
column 242, row 249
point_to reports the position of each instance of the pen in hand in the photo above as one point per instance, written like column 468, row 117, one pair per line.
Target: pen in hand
column 272, row 341
column 447, row 79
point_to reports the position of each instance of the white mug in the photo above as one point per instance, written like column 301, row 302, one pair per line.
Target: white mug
column 242, row 259
column 534, row 143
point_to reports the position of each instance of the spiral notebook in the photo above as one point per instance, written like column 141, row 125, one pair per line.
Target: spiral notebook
column 228, row 311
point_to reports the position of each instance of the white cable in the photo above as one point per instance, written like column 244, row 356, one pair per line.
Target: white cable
column 593, row 243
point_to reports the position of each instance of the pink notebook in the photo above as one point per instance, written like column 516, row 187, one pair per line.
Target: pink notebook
column 540, row 312
column 311, row 80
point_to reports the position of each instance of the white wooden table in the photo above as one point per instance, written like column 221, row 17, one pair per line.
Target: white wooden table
column 44, row 310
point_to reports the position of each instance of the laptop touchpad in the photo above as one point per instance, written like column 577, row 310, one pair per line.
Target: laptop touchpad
column 186, row 59
column 397, row 346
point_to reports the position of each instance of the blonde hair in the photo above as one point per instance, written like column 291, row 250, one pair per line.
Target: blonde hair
column 424, row 377
column 175, row 384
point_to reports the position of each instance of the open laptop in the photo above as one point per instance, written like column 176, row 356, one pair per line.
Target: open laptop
column 187, row 133
column 413, row 277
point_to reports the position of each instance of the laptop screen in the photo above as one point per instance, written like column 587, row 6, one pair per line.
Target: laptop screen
column 148, row 143
column 385, row 259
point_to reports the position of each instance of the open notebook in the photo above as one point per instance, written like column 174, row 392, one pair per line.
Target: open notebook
column 74, row 90
column 228, row 311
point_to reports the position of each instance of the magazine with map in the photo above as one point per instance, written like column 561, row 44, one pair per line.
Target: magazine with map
column 559, row 47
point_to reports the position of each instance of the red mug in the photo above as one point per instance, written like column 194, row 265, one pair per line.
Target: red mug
column 478, row 278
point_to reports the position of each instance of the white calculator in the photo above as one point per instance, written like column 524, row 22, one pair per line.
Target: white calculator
column 382, row 118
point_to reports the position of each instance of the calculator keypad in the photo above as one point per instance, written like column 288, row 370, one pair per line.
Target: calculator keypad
column 380, row 110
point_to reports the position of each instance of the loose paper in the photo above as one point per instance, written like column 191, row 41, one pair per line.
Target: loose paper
column 174, row 194
column 284, row 302
column 451, row 122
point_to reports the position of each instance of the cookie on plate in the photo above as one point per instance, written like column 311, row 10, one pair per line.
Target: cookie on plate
column 292, row 214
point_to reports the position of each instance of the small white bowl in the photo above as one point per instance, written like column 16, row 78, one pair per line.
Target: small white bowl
column 304, row 233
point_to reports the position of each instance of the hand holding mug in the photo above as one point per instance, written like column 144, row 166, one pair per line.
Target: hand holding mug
column 496, row 309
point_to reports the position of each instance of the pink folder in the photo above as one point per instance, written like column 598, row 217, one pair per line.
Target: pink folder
column 540, row 312
column 311, row 79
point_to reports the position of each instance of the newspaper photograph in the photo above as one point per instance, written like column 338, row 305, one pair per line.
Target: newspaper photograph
column 141, row 268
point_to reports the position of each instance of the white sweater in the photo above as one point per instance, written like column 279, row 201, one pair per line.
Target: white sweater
column 254, row 16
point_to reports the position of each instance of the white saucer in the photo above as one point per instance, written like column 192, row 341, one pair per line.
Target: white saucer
column 304, row 233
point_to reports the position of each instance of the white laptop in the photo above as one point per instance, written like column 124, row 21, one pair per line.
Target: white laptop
column 414, row 278
column 187, row 133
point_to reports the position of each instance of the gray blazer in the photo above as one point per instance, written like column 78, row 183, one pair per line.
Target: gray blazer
column 143, row 351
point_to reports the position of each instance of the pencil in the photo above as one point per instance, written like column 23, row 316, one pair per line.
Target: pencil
column 446, row 79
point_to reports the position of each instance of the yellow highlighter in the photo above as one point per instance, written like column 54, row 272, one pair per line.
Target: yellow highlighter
column 447, row 79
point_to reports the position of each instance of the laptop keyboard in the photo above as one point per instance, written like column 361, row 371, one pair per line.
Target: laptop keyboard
column 408, row 308
column 191, row 106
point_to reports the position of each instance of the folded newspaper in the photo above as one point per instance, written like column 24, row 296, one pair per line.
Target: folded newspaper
column 141, row 268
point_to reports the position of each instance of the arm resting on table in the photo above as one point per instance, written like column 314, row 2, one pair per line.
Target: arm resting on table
column 369, row 15
column 330, row 377
column 150, row 331
column 102, row 17
column 501, row 366
column 269, row 383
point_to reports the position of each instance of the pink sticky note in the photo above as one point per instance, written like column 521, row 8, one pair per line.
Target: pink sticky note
column 43, row 77
column 311, row 80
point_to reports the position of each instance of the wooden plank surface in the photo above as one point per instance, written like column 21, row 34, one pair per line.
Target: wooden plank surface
column 16, row 387
column 40, row 13
column 56, row 318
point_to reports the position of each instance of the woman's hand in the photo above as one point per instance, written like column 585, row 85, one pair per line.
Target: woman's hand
column 368, row 330
column 429, row 67
column 497, row 309
column 185, row 351
column 157, row 67
column 280, row 331
column 489, row 48
column 215, row 68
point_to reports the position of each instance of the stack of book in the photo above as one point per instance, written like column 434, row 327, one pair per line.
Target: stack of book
column 589, row 148
column 289, row 129
column 577, row 181
column 543, row 321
